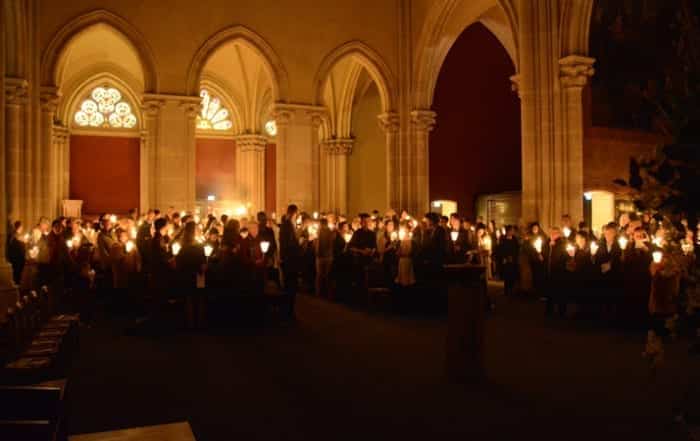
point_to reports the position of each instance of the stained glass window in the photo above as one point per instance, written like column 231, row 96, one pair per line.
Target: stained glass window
column 105, row 108
column 213, row 116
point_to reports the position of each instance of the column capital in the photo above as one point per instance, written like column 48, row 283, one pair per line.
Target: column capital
column 424, row 120
column 15, row 91
column 389, row 122
column 251, row 142
column 191, row 108
column 338, row 146
column 59, row 133
column 285, row 114
column 574, row 70
column 49, row 97
column 151, row 107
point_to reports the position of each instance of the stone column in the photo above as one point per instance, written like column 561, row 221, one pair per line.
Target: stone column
column 60, row 165
column 297, row 154
column 149, row 158
column 191, row 109
column 15, row 100
column 390, row 122
column 418, row 167
column 574, row 73
column 46, row 192
column 335, row 188
column 250, row 170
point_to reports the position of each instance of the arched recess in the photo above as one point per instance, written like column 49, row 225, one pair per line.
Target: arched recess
column 55, row 52
column 248, row 38
column 353, row 77
column 247, row 69
column 73, row 65
column 442, row 27
column 369, row 59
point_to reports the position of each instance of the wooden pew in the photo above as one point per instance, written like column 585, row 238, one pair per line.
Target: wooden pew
column 31, row 412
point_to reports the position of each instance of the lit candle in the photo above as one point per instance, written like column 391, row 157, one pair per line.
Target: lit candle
column 26, row 237
column 454, row 235
column 264, row 246
column 487, row 242
column 567, row 232
column 208, row 249
column 594, row 248
column 134, row 232
column 244, row 234
column 394, row 235
column 182, row 214
column 113, row 219
column 657, row 241
column 571, row 250
column 657, row 255
column 175, row 248
column 347, row 237
column 130, row 246
column 687, row 247
column 34, row 252
column 315, row 214
column 538, row 244
column 241, row 211
column 402, row 234
column 196, row 219
column 69, row 243
column 622, row 241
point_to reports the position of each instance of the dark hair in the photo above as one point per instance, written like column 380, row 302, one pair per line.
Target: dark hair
column 611, row 226
column 159, row 224
column 292, row 209
column 262, row 217
column 16, row 225
column 433, row 217
column 188, row 233
column 454, row 215
column 324, row 222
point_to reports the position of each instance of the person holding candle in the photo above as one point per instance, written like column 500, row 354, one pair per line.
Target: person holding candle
column 323, row 250
column 635, row 275
column 190, row 263
column 508, row 252
column 555, row 257
column 17, row 251
column 609, row 261
column 362, row 247
column 290, row 253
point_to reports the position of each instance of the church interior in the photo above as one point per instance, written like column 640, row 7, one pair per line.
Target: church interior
column 505, row 112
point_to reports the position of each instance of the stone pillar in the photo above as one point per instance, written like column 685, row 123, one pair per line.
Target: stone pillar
column 148, row 155
column 250, row 170
column 46, row 191
column 335, row 154
column 418, row 167
column 174, row 180
column 61, row 165
column 297, row 154
column 551, row 117
column 574, row 73
column 15, row 100
column 390, row 122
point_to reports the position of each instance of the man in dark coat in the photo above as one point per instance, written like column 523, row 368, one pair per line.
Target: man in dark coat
column 290, row 254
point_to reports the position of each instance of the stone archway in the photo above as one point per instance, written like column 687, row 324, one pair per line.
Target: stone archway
column 340, row 75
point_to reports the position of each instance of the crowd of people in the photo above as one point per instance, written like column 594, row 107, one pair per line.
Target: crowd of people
column 641, row 265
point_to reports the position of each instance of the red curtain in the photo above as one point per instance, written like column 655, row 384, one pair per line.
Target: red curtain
column 215, row 168
column 104, row 173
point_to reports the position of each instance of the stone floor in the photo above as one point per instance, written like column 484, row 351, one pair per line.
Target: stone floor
column 342, row 373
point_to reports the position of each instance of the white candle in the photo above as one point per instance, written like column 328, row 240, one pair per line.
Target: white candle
column 175, row 248
column 130, row 246
column 208, row 249
column 347, row 237
column 594, row 248
column 657, row 255
column 567, row 232
column 264, row 246
column 244, row 234
column 402, row 234
column 622, row 241
column 538, row 244
column 571, row 250
column 454, row 235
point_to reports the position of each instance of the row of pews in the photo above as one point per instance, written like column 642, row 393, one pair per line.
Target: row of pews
column 37, row 344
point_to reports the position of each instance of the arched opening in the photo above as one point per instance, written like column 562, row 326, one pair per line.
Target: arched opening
column 367, row 184
column 234, row 161
column 475, row 146
column 355, row 87
column 99, row 109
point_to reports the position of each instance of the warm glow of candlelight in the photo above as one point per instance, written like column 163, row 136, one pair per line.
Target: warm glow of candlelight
column 594, row 248
column 34, row 252
column 244, row 234
column 402, row 234
column 208, row 249
column 182, row 214
column 196, row 219
column 134, row 232
column 486, row 242
column 130, row 246
column 657, row 241
column 175, row 248
column 657, row 255
column 113, row 219
column 394, row 235
column 26, row 238
column 315, row 214
column 347, row 237
column 622, row 241
column 264, row 246
column 454, row 235
column 571, row 250
column 567, row 232
column 241, row 211
column 69, row 243
column 538, row 244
